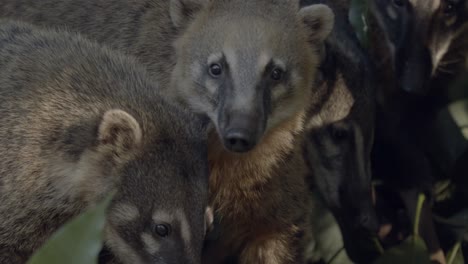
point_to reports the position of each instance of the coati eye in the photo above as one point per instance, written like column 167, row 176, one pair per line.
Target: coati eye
column 449, row 8
column 277, row 74
column 215, row 70
column 162, row 230
column 339, row 133
column 399, row 3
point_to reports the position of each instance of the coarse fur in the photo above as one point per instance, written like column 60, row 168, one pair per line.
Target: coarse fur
column 251, row 112
column 78, row 121
column 244, row 102
column 339, row 135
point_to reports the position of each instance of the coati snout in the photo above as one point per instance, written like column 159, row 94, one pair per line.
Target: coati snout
column 335, row 155
column 241, row 131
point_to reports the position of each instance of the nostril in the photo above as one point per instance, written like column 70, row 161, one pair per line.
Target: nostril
column 238, row 141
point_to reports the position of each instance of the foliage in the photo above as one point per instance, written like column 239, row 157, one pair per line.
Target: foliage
column 358, row 14
column 77, row 242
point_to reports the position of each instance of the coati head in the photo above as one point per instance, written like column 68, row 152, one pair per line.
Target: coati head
column 161, row 176
column 248, row 65
column 419, row 34
column 336, row 156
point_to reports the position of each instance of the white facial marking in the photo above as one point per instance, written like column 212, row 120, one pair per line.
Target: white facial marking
column 120, row 248
column 196, row 69
column 231, row 58
column 338, row 106
column 180, row 217
column 159, row 216
column 184, row 226
column 151, row 245
column 438, row 54
column 262, row 62
column 278, row 91
column 209, row 219
column 214, row 58
column 211, row 86
column 124, row 213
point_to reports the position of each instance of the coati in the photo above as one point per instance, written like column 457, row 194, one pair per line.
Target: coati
column 339, row 135
column 248, row 76
column 421, row 40
column 79, row 120
column 249, row 66
column 419, row 35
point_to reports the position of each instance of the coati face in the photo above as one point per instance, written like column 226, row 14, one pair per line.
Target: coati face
column 336, row 156
column 159, row 212
column 247, row 64
column 158, row 216
column 419, row 34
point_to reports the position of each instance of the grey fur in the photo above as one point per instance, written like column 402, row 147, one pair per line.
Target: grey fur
column 177, row 40
column 63, row 147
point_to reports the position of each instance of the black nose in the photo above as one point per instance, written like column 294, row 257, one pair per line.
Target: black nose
column 368, row 221
column 238, row 140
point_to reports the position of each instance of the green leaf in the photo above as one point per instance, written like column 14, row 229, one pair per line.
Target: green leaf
column 358, row 17
column 78, row 241
column 412, row 250
column 455, row 255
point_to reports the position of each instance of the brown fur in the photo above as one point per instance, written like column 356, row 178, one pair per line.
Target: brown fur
column 78, row 121
column 263, row 207
column 174, row 39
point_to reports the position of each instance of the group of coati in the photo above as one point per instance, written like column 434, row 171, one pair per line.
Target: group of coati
column 221, row 124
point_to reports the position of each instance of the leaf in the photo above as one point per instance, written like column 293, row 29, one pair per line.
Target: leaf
column 412, row 250
column 78, row 241
column 455, row 255
column 358, row 14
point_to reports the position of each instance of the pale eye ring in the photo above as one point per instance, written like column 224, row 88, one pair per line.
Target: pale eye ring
column 215, row 70
column 162, row 230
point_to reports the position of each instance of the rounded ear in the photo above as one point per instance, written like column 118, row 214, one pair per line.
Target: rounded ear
column 319, row 20
column 182, row 11
column 119, row 133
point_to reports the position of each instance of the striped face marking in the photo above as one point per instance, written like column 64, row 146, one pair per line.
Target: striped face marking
column 123, row 213
column 151, row 244
column 178, row 216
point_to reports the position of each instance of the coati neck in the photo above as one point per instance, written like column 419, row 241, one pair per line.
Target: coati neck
column 234, row 177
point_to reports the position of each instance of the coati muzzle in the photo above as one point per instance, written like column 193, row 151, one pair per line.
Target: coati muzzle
column 241, row 131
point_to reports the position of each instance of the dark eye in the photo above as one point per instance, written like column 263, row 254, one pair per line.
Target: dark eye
column 449, row 8
column 277, row 74
column 339, row 134
column 215, row 70
column 399, row 3
column 162, row 230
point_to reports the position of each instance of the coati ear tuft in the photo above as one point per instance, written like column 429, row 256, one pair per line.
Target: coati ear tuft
column 183, row 11
column 119, row 132
column 319, row 20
